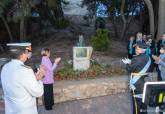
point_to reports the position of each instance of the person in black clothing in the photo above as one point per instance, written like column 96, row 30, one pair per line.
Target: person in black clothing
column 139, row 61
column 152, row 50
column 160, row 42
column 151, row 43
column 139, row 64
column 144, row 37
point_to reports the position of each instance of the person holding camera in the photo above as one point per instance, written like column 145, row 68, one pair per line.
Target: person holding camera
column 20, row 84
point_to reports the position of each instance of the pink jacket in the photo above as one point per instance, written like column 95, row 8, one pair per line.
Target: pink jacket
column 48, row 79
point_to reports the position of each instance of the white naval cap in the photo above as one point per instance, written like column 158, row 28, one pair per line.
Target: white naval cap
column 19, row 44
column 15, row 46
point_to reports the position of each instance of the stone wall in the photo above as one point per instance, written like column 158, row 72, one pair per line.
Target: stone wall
column 74, row 90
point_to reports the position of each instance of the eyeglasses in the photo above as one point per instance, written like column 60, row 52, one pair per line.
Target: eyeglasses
column 29, row 49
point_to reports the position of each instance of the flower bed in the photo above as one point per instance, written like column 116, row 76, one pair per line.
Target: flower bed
column 96, row 70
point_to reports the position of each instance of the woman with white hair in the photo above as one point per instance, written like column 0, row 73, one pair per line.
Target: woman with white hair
column 48, row 79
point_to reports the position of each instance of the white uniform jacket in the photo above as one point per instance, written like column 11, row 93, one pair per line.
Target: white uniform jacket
column 20, row 88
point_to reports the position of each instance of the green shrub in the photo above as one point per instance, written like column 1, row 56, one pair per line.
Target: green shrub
column 101, row 41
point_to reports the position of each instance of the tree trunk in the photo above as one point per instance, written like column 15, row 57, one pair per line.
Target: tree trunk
column 25, row 29
column 22, row 20
column 161, row 17
column 123, row 19
column 156, row 10
column 151, row 16
column 22, row 29
column 130, row 19
column 7, row 28
column 115, row 26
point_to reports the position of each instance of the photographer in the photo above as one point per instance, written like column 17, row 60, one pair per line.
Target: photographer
column 20, row 84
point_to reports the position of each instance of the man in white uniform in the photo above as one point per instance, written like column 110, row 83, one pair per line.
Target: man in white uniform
column 20, row 84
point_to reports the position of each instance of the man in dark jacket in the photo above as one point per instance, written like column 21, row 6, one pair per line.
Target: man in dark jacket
column 139, row 65
column 151, row 50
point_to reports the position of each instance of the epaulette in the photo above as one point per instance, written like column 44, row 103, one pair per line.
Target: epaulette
column 26, row 66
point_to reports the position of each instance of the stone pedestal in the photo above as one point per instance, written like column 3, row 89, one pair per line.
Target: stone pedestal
column 81, row 57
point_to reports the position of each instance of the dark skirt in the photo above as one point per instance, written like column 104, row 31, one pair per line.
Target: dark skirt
column 48, row 96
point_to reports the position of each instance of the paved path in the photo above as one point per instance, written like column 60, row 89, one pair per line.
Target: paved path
column 118, row 104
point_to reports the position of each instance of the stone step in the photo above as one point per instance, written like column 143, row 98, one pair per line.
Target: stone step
column 75, row 90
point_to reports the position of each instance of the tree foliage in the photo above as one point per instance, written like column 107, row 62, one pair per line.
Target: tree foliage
column 51, row 12
column 19, row 11
column 101, row 41
column 4, row 6
column 115, row 11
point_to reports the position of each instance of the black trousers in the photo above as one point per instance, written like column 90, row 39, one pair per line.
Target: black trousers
column 48, row 96
column 151, row 69
column 138, row 106
column 159, row 74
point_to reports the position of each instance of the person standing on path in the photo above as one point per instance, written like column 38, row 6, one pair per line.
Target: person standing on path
column 20, row 84
column 48, row 79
